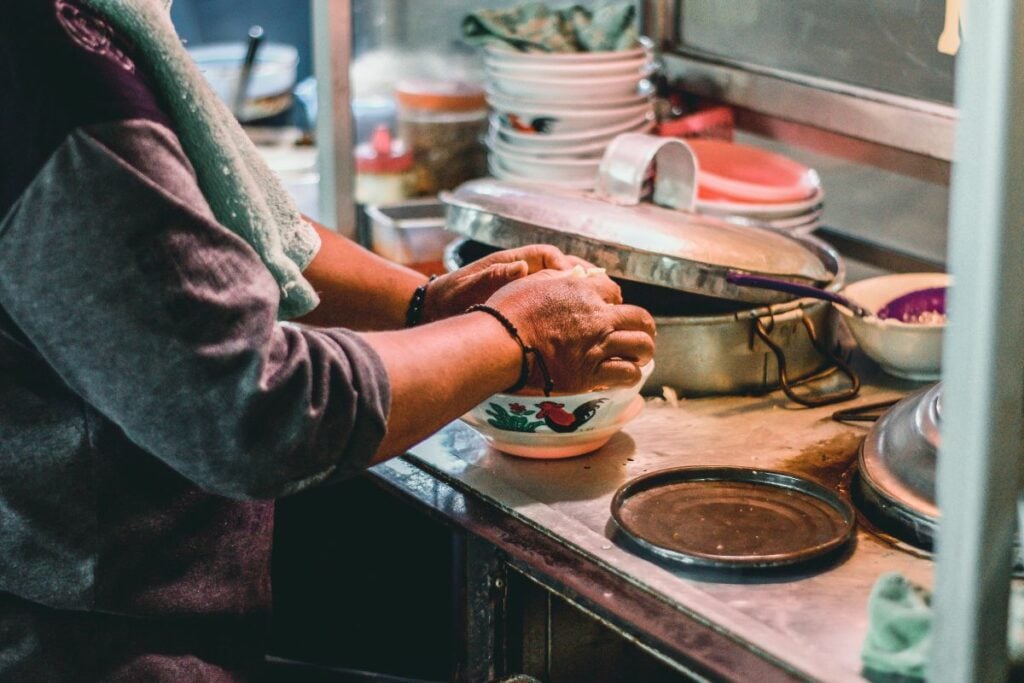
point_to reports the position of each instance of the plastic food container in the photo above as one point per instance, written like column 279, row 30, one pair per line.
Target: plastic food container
column 411, row 233
column 444, row 123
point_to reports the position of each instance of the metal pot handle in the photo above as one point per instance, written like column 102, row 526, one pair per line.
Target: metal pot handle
column 624, row 167
column 838, row 364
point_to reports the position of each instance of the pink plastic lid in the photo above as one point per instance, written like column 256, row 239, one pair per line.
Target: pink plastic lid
column 383, row 154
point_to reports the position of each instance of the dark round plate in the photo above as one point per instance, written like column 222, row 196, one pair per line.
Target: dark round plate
column 732, row 517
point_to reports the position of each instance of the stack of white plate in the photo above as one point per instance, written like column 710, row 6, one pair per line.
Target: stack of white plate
column 555, row 113
column 749, row 184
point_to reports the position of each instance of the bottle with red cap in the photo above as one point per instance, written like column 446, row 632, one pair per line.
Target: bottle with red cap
column 383, row 169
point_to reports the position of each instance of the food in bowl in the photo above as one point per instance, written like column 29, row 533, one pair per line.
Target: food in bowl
column 910, row 350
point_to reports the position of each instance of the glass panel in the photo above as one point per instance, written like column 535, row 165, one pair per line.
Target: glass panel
column 393, row 41
column 887, row 45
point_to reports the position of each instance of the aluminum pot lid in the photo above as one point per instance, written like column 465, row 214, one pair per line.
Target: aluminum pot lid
column 899, row 455
column 641, row 242
column 731, row 517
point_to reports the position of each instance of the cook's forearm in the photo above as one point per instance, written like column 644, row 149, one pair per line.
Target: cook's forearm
column 439, row 371
column 358, row 289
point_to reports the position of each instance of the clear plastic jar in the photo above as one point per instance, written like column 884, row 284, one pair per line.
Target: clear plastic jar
column 444, row 124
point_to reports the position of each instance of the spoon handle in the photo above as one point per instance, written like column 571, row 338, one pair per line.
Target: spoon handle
column 252, row 47
column 762, row 282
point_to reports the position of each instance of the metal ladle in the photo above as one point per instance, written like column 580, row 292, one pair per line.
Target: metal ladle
column 907, row 308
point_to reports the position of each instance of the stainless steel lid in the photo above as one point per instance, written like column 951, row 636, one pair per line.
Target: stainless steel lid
column 898, row 461
column 636, row 240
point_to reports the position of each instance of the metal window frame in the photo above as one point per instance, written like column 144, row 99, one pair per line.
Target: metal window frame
column 913, row 125
column 335, row 127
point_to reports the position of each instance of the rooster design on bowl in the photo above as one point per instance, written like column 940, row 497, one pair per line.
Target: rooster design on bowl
column 549, row 414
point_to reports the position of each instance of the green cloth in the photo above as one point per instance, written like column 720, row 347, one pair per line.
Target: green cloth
column 534, row 27
column 899, row 630
column 240, row 188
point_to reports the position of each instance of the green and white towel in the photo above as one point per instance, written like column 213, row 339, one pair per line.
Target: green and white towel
column 242, row 191
column 535, row 27
column 899, row 633
column 899, row 637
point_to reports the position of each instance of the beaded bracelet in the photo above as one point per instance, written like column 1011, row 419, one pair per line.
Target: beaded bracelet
column 524, row 371
column 414, row 314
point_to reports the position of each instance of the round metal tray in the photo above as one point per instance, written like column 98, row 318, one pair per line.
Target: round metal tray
column 732, row 517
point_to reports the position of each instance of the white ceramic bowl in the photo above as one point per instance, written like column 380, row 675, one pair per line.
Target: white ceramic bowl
column 908, row 350
column 500, row 53
column 503, row 102
column 551, row 446
column 549, row 168
column 632, row 67
column 501, row 173
column 582, row 89
column 531, row 141
column 557, row 120
column 593, row 150
column 573, row 422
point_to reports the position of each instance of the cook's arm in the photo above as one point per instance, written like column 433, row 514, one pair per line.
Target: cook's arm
column 165, row 322
column 362, row 291
column 358, row 289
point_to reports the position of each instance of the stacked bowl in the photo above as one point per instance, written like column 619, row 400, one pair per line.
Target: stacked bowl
column 555, row 113
column 747, row 184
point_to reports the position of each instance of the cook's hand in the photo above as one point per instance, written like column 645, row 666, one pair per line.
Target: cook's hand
column 453, row 293
column 586, row 335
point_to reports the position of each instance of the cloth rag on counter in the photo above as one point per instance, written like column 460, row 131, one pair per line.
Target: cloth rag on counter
column 242, row 191
column 535, row 27
column 899, row 635
column 899, row 631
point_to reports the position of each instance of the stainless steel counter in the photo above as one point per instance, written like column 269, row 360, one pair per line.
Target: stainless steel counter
column 810, row 622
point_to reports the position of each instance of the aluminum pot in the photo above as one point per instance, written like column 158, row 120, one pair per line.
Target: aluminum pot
column 711, row 346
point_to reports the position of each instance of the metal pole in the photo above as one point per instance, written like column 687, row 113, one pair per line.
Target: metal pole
column 982, row 456
column 659, row 22
column 332, row 53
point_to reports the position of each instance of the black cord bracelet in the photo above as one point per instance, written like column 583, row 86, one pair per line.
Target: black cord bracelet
column 524, row 371
column 414, row 314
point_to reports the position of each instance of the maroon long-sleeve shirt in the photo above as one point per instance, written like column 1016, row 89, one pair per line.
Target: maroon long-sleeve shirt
column 150, row 403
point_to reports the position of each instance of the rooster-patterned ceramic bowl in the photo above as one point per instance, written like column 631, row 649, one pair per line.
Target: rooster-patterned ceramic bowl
column 550, row 445
column 557, row 414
